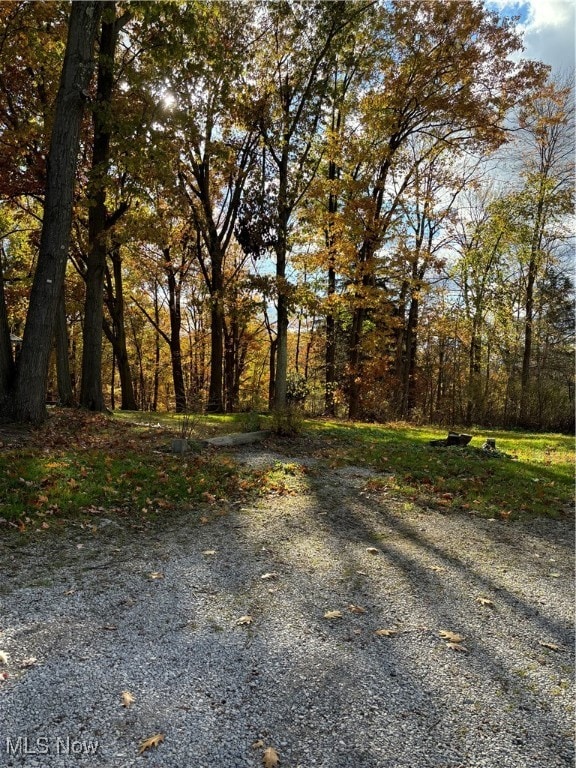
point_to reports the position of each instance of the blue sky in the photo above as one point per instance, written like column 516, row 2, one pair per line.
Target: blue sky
column 548, row 27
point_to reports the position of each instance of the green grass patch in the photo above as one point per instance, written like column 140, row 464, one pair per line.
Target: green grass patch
column 531, row 475
column 79, row 466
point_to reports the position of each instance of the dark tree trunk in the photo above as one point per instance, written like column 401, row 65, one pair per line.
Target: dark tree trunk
column 65, row 391
column 32, row 374
column 281, row 365
column 154, row 405
column 272, row 372
column 7, row 367
column 355, row 363
column 91, row 395
column 409, row 372
column 216, row 386
column 330, row 358
column 175, row 328
column 117, row 333
column 525, row 383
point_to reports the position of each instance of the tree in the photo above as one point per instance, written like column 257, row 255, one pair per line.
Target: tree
column 31, row 377
column 294, row 76
column 545, row 202
column 443, row 72
column 99, row 220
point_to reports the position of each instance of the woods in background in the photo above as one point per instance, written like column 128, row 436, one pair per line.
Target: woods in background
column 365, row 208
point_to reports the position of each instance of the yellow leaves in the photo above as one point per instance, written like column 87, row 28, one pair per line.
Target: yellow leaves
column 333, row 615
column 155, row 575
column 151, row 741
column 127, row 699
column 209, row 552
column 551, row 646
column 386, row 632
column 372, row 551
column 356, row 609
column 451, row 637
column 243, row 621
column 453, row 640
column 269, row 576
column 457, row 647
column 485, row 602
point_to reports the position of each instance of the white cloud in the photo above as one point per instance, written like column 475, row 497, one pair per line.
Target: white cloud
column 549, row 32
column 548, row 27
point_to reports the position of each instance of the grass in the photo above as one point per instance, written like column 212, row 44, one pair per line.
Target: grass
column 79, row 466
column 532, row 474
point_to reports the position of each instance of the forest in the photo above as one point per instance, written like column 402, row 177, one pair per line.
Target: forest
column 364, row 209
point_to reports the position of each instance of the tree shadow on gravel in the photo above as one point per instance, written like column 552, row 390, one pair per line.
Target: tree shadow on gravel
column 325, row 693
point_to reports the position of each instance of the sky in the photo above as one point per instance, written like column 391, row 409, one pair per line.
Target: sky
column 548, row 27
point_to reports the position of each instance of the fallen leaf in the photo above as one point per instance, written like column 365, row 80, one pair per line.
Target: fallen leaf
column 4, row 657
column 485, row 601
column 110, row 627
column 156, row 575
column 244, row 621
column 386, row 632
column 457, row 647
column 70, row 592
column 259, row 744
column 268, row 576
column 127, row 699
column 552, row 646
column 333, row 615
column 29, row 662
column 437, row 568
column 452, row 637
column 270, row 758
column 356, row 608
column 152, row 741
column 209, row 552
column 372, row 551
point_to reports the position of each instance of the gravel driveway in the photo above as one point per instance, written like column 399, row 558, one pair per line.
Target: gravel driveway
column 253, row 638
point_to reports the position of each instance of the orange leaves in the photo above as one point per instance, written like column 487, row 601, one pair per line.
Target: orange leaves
column 151, row 741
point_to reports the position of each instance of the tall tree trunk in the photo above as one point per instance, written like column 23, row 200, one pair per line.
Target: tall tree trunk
column 117, row 333
column 525, row 382
column 281, row 367
column 409, row 371
column 216, row 386
column 330, row 355
column 32, row 374
column 272, row 372
column 175, row 328
column 7, row 366
column 355, row 363
column 91, row 395
column 65, row 391
column 156, row 351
